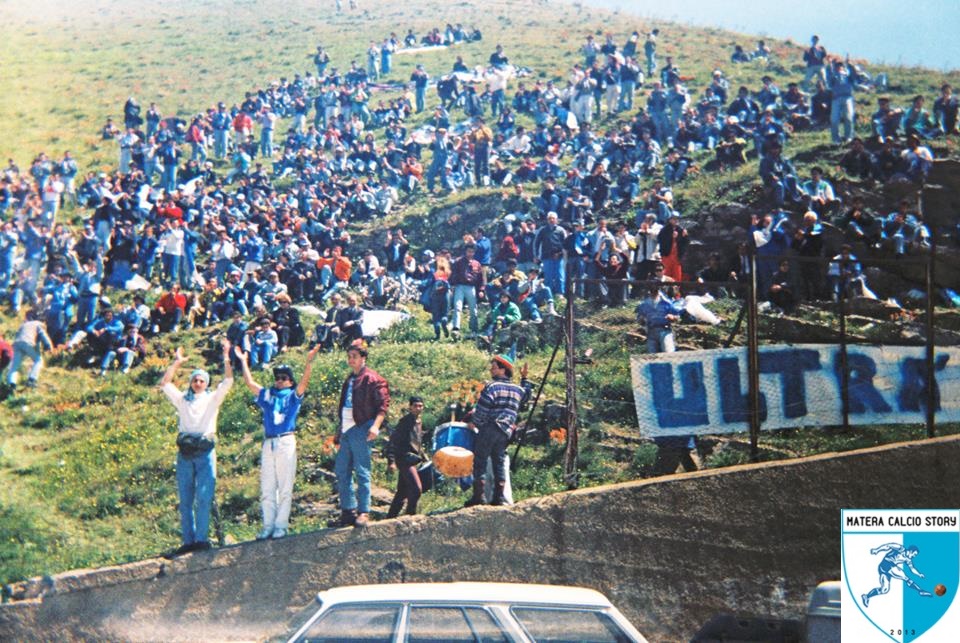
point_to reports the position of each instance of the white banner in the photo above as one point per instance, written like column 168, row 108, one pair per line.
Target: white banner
column 705, row 392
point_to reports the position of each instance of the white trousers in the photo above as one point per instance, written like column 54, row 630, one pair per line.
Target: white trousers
column 278, row 469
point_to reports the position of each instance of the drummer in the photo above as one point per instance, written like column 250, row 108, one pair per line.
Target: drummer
column 405, row 453
column 495, row 420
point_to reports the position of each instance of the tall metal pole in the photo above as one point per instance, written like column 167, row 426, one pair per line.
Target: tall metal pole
column 753, row 361
column 931, row 402
column 573, row 442
column 844, row 374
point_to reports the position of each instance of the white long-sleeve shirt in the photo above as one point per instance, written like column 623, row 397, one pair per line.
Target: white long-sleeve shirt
column 199, row 415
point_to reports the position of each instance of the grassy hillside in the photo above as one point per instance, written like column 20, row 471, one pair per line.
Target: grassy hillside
column 86, row 465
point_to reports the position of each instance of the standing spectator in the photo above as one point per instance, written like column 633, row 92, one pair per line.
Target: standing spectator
column 650, row 51
column 548, row 248
column 420, row 80
column 814, row 57
column 364, row 401
column 495, row 419
column 842, row 80
column 673, row 246
column 466, row 278
column 404, row 454
column 808, row 242
column 659, row 315
column 280, row 404
column 197, row 410
column 31, row 339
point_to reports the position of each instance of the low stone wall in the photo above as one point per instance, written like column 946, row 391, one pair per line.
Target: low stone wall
column 669, row 552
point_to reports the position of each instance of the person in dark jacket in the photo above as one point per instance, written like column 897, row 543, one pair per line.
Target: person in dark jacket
column 404, row 454
column 364, row 400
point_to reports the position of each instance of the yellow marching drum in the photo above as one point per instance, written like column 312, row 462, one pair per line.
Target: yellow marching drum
column 454, row 462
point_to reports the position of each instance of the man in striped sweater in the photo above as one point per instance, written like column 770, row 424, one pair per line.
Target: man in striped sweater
column 495, row 420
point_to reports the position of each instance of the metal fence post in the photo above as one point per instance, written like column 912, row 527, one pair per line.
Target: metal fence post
column 844, row 374
column 573, row 442
column 931, row 401
column 753, row 361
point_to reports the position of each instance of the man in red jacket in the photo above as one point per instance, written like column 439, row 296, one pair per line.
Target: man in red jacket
column 364, row 399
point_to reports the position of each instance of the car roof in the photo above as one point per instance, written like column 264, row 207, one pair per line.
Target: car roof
column 466, row 591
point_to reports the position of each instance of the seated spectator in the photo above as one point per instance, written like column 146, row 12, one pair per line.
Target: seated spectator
column 534, row 293
column 886, row 120
column 858, row 162
column 945, row 110
column 781, row 293
column 731, row 152
column 286, row 322
column 859, row 225
column 918, row 121
column 820, row 105
column 657, row 200
column 904, row 229
column 676, row 166
column 263, row 345
column 779, row 176
column 326, row 331
column 917, row 159
column 796, row 107
column 349, row 321
column 101, row 334
column 502, row 315
column 819, row 192
column 845, row 276
column 739, row 55
column 128, row 349
column 713, row 271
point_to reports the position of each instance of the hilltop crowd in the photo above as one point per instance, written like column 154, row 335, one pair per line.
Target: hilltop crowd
column 243, row 211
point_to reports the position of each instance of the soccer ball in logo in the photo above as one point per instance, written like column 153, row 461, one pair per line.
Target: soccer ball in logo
column 940, row 590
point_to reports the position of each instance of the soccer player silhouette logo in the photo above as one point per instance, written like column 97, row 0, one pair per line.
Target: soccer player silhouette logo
column 895, row 556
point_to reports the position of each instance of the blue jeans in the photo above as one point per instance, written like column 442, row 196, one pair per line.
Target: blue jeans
column 463, row 293
column 21, row 350
column 354, row 458
column 266, row 142
column 199, row 152
column 553, row 275
column 627, row 88
column 660, row 340
column 220, row 143
column 841, row 109
column 126, row 360
column 196, row 482
column 261, row 354
column 531, row 305
column 169, row 180
column 421, row 98
column 786, row 187
column 496, row 102
column 675, row 175
column 171, row 269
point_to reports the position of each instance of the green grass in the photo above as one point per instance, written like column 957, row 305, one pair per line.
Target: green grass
column 86, row 465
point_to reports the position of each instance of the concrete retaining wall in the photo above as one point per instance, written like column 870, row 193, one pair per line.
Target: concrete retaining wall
column 669, row 552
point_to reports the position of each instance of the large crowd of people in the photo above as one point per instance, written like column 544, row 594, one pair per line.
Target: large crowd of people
column 242, row 212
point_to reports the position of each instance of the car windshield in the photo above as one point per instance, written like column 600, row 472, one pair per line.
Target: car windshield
column 569, row 625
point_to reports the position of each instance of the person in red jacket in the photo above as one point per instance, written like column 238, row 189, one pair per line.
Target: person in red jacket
column 364, row 400
column 169, row 310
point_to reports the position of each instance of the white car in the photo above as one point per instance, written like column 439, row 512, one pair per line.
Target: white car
column 479, row 612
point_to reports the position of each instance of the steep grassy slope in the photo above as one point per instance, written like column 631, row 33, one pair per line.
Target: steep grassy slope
column 86, row 465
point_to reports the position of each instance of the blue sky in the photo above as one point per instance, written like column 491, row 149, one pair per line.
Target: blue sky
column 924, row 32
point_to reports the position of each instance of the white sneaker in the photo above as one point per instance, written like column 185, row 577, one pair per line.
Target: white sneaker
column 279, row 533
column 265, row 533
